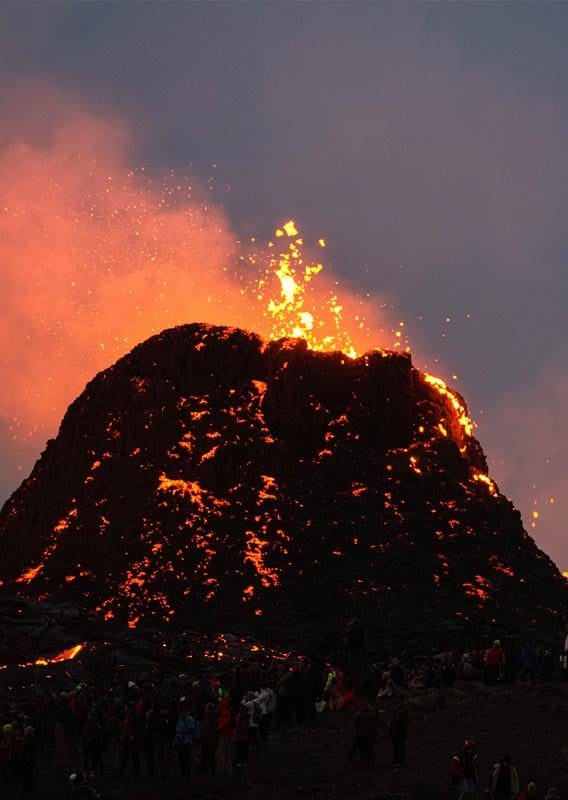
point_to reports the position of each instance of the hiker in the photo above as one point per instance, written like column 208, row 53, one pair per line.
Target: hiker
column 528, row 663
column 398, row 731
column 209, row 739
column 365, row 735
column 183, row 740
column 28, row 758
column 504, row 780
column 129, row 740
column 80, row 789
column 165, row 734
column 6, row 753
column 225, row 732
column 149, row 740
column 464, row 770
column 91, row 741
column 241, row 736
column 529, row 793
column 465, row 671
column 511, row 664
column 494, row 658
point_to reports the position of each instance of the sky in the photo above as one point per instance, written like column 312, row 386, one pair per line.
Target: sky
column 149, row 150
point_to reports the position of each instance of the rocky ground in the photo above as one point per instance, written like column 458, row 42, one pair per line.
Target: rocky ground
column 309, row 762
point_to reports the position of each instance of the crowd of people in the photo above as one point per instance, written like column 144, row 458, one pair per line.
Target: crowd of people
column 165, row 729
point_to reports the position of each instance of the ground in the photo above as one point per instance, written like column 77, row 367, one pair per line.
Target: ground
column 301, row 763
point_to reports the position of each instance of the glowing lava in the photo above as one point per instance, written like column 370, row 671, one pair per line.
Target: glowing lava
column 66, row 655
column 294, row 308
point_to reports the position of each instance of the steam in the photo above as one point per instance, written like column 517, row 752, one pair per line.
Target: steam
column 96, row 257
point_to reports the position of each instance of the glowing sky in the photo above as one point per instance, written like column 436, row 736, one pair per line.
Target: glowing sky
column 143, row 146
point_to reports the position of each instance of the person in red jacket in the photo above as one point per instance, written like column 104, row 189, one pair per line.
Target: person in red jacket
column 494, row 659
column 225, row 730
column 529, row 793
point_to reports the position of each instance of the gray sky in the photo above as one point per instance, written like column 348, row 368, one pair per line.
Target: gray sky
column 426, row 142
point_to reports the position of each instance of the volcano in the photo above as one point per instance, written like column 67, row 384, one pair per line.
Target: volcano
column 212, row 480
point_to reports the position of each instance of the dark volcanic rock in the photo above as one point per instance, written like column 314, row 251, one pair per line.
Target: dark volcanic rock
column 211, row 480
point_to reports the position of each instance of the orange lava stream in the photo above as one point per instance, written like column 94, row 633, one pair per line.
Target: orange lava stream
column 65, row 655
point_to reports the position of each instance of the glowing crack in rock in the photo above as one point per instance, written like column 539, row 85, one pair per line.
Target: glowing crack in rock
column 486, row 480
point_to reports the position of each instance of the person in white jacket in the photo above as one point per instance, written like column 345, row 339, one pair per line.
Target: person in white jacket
column 504, row 780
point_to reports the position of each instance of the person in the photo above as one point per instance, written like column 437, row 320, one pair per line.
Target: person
column 551, row 794
column 511, row 665
column 225, row 732
column 80, row 789
column 546, row 666
column 129, row 739
column 241, row 736
column 28, row 758
column 6, row 751
column 149, row 740
column 529, row 793
column 62, row 716
column 165, row 734
column 266, row 700
column 494, row 659
column 185, row 728
column 91, row 741
column 209, row 739
column 398, row 731
column 397, row 673
column 254, row 716
column 465, row 668
column 365, row 735
column 504, row 780
column 469, row 770
column 349, row 701
column 528, row 663
column 334, row 694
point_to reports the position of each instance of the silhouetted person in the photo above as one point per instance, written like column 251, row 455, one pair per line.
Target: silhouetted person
column 364, row 735
column 398, row 731
column 504, row 780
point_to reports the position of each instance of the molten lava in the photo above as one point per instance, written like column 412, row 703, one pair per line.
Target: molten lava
column 213, row 476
